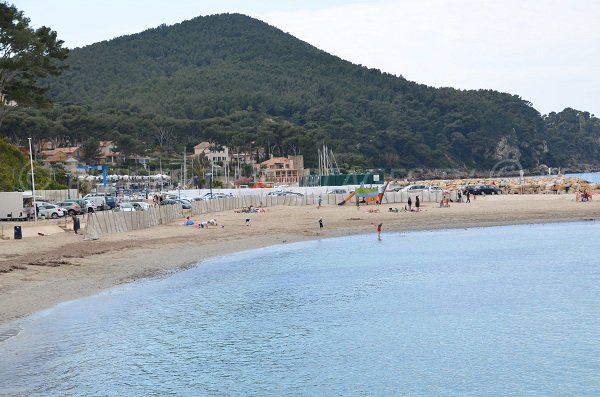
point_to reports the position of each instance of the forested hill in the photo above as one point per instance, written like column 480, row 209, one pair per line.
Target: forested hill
column 235, row 80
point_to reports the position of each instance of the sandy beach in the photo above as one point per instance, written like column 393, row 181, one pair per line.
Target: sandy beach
column 38, row 272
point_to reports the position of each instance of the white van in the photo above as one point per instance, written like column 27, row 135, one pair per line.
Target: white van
column 95, row 203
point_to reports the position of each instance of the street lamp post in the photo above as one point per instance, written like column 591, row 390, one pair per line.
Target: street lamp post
column 32, row 182
column 209, row 176
column 68, row 185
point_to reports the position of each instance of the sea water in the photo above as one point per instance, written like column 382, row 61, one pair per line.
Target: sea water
column 498, row 311
column 593, row 177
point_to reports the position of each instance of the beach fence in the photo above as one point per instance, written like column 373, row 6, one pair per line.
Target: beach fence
column 107, row 222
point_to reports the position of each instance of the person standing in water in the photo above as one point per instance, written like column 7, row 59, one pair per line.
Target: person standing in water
column 379, row 231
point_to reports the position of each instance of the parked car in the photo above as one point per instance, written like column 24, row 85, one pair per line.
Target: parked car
column 487, row 189
column 80, row 201
column 169, row 202
column 186, row 204
column 337, row 191
column 210, row 196
column 419, row 188
column 436, row 189
column 413, row 188
column 467, row 188
column 51, row 211
column 125, row 207
column 284, row 193
column 71, row 207
column 140, row 205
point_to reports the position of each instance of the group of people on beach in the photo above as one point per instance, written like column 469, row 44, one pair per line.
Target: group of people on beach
column 583, row 196
column 200, row 225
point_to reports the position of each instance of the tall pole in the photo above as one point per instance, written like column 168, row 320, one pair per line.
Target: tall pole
column 68, row 186
column 184, row 167
column 32, row 182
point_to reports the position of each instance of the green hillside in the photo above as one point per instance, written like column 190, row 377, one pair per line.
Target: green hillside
column 235, row 80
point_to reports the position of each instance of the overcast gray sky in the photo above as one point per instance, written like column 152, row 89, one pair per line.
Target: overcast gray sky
column 545, row 51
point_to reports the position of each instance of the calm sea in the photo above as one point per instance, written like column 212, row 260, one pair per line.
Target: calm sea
column 593, row 177
column 502, row 311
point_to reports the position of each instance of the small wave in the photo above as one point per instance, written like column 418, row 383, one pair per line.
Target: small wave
column 6, row 334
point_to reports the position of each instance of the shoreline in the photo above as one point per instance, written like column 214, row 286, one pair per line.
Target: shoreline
column 62, row 267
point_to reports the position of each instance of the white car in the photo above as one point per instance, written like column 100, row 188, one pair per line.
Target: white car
column 51, row 211
column 125, row 207
column 141, row 206
column 337, row 191
column 210, row 196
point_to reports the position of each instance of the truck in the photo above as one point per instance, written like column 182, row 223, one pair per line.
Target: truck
column 11, row 207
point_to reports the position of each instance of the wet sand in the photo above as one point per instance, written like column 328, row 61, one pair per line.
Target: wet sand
column 38, row 272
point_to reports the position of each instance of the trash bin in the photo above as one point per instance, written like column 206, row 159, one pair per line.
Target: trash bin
column 18, row 233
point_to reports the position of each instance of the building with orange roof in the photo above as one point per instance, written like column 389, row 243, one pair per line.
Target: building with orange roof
column 281, row 170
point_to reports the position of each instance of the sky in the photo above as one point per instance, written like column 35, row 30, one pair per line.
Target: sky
column 545, row 51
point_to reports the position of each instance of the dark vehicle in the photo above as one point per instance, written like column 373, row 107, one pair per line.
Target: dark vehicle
column 486, row 189
column 470, row 189
column 184, row 203
column 111, row 202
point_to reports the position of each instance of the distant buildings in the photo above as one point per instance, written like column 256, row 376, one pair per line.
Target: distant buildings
column 70, row 156
column 226, row 165
column 281, row 170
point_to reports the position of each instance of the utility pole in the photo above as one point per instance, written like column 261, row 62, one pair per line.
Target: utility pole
column 184, row 166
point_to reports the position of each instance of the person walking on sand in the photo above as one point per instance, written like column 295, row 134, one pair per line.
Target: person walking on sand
column 357, row 203
column 468, row 193
column 76, row 224
column 417, row 203
column 319, row 201
column 409, row 203
column 321, row 223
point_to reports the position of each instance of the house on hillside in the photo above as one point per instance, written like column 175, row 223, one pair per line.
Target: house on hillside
column 221, row 154
column 108, row 154
column 143, row 160
column 281, row 170
column 213, row 153
column 69, row 156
